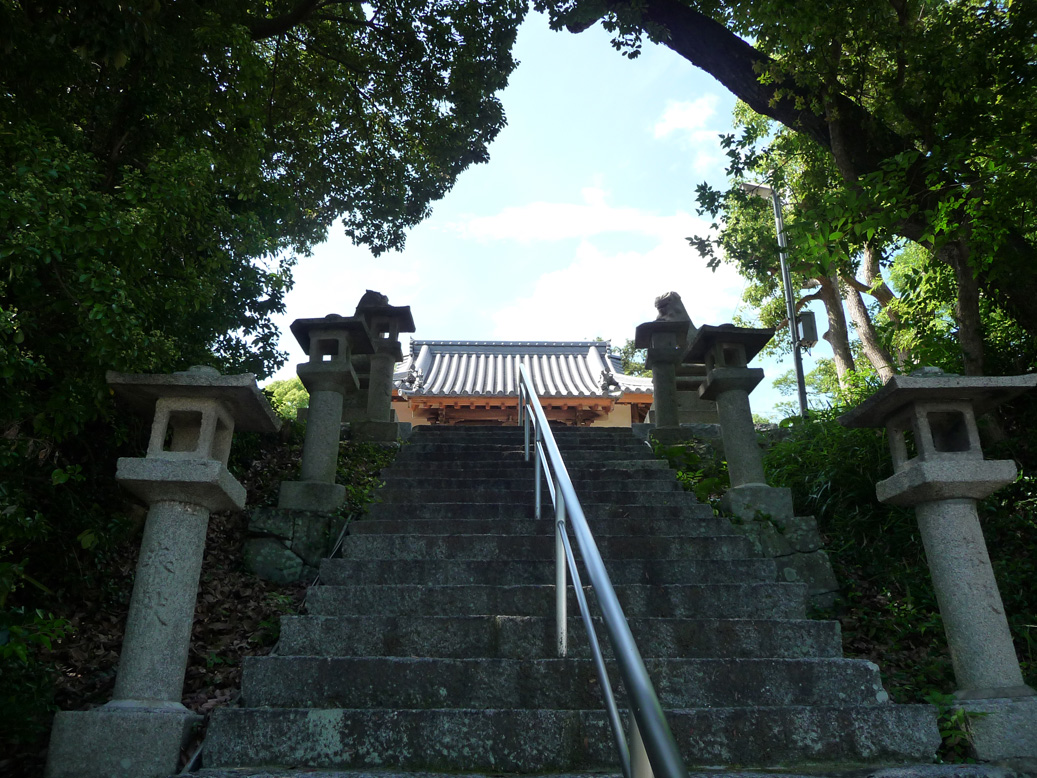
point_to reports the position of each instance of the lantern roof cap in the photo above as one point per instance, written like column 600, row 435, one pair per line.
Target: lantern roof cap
column 353, row 325
column 983, row 392
column 247, row 405
column 708, row 335
column 644, row 331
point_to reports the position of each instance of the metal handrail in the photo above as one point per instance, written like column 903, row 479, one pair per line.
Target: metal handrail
column 653, row 749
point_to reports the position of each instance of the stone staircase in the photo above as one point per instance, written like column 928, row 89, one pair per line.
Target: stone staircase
column 430, row 644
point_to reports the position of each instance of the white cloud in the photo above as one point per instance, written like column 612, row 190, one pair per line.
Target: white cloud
column 547, row 221
column 687, row 118
column 705, row 162
column 609, row 294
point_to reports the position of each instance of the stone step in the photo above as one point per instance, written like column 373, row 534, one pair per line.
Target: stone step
column 517, row 438
column 460, row 493
column 592, row 509
column 417, row 448
column 808, row 771
column 564, row 442
column 515, row 572
column 521, row 637
column 515, row 454
column 531, row 741
column 562, row 684
column 441, row 431
column 648, row 478
column 481, row 468
column 370, row 546
column 600, row 527
column 776, row 600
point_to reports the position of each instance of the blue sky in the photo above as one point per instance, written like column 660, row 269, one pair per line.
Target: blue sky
column 577, row 222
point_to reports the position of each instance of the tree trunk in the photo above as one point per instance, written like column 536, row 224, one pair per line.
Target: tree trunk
column 878, row 289
column 966, row 307
column 878, row 356
column 873, row 276
column 837, row 336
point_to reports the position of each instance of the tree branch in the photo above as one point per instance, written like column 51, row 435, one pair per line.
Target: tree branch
column 737, row 65
column 268, row 28
column 854, row 284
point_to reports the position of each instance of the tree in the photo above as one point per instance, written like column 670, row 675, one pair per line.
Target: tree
column 633, row 359
column 160, row 162
column 160, row 166
column 925, row 110
column 818, row 256
column 287, row 396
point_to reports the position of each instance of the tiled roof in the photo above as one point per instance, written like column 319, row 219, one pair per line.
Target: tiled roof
column 469, row 368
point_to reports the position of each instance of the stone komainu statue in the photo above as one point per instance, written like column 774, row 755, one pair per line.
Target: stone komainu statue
column 671, row 308
column 372, row 299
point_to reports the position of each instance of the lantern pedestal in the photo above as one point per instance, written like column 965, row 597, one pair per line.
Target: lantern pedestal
column 116, row 742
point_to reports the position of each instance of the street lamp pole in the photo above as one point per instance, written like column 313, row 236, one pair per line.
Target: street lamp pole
column 762, row 190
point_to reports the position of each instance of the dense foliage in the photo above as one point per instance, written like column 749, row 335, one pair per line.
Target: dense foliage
column 287, row 397
column 161, row 165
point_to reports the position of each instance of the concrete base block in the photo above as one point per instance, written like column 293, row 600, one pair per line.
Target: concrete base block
column 747, row 500
column 118, row 742
column 642, row 431
column 353, row 414
column 313, row 496
column 795, row 546
column 374, row 431
column 1007, row 734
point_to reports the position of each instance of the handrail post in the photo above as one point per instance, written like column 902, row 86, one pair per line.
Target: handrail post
column 536, row 473
column 561, row 578
column 640, row 766
column 524, row 419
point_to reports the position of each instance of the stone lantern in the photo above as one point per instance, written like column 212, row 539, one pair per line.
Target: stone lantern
column 183, row 478
column 329, row 343
column 726, row 352
column 938, row 465
column 385, row 323
column 665, row 342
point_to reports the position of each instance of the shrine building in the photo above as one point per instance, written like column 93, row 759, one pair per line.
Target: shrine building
column 579, row 383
